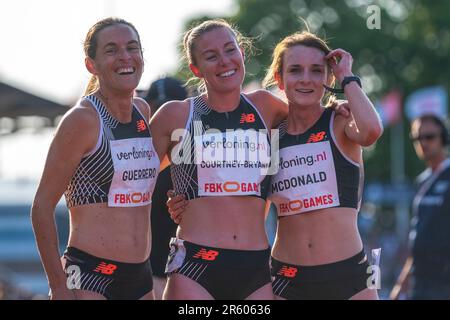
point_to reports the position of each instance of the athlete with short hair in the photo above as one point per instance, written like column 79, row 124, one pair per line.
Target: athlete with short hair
column 426, row 272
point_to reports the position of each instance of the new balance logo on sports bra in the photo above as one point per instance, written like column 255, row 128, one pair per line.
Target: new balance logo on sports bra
column 316, row 137
column 249, row 118
column 140, row 126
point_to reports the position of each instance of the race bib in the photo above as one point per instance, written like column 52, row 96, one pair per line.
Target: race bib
column 306, row 179
column 136, row 167
column 231, row 163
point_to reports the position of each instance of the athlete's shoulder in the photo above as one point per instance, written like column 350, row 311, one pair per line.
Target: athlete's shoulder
column 272, row 107
column 80, row 124
column 260, row 95
column 172, row 114
column 173, row 108
column 143, row 106
column 82, row 114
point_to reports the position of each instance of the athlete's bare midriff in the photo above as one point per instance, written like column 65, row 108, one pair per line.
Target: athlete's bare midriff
column 225, row 222
column 318, row 237
column 120, row 234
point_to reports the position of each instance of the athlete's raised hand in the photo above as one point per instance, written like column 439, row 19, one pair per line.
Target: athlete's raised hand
column 341, row 63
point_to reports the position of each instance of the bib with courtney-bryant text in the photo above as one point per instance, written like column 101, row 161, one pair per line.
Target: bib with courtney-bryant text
column 231, row 163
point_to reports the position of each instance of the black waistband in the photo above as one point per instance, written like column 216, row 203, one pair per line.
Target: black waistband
column 80, row 256
column 325, row 272
column 231, row 257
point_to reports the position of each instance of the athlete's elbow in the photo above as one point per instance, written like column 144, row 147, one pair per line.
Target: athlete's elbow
column 377, row 130
column 39, row 209
column 372, row 135
column 35, row 211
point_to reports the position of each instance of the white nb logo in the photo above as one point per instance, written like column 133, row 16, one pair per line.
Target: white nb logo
column 74, row 279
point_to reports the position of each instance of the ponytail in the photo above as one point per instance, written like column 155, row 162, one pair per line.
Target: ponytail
column 92, row 86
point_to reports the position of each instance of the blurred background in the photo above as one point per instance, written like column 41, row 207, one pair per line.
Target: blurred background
column 400, row 48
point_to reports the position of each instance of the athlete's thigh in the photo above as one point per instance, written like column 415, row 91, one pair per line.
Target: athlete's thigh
column 180, row 287
column 158, row 287
column 148, row 296
column 263, row 293
column 366, row 294
column 87, row 295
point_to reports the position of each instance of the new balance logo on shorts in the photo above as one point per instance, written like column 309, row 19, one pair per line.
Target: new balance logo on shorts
column 105, row 268
column 209, row 255
column 288, row 272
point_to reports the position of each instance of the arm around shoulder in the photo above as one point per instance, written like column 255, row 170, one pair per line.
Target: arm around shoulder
column 169, row 121
column 273, row 108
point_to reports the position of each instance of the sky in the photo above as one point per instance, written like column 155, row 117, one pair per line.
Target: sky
column 42, row 53
column 42, row 49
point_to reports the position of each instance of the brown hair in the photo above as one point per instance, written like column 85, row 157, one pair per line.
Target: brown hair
column 191, row 36
column 90, row 44
column 303, row 38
